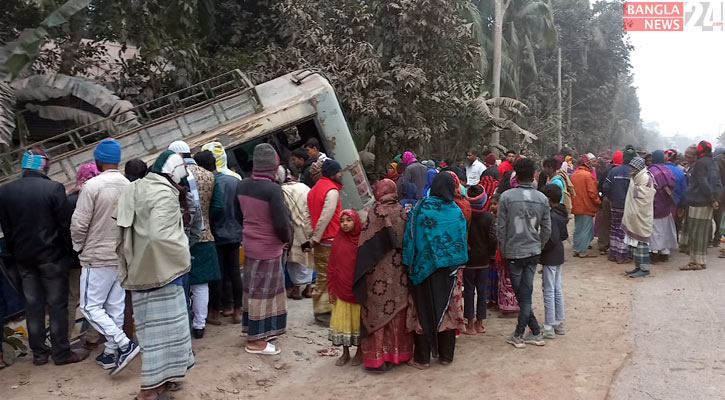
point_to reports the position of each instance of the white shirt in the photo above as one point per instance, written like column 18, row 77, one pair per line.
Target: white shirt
column 474, row 172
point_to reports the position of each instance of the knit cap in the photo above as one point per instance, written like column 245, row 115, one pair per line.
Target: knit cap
column 108, row 151
column 637, row 163
column 330, row 167
column 35, row 159
column 264, row 161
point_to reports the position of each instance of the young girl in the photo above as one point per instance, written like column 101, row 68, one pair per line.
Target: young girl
column 345, row 319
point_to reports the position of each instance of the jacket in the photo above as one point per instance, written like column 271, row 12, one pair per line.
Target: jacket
column 680, row 192
column 35, row 218
column 704, row 186
column 481, row 238
column 523, row 223
column 295, row 196
column 227, row 225
column 325, row 207
column 266, row 218
column 306, row 176
column 414, row 173
column 553, row 253
column 153, row 250
column 586, row 201
column 616, row 185
column 93, row 229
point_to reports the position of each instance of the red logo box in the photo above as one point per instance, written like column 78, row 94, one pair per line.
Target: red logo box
column 653, row 16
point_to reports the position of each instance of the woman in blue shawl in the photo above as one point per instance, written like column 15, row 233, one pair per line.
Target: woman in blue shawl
column 434, row 248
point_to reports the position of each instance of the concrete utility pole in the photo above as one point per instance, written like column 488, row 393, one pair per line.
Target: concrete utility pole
column 559, row 115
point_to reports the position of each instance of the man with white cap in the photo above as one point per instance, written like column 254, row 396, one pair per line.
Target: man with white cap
column 204, row 260
column 94, row 234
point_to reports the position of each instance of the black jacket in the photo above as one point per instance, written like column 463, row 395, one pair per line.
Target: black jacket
column 305, row 176
column 35, row 217
column 227, row 226
column 72, row 201
column 704, row 186
column 553, row 253
column 481, row 239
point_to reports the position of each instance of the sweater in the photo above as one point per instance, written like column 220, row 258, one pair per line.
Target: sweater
column 414, row 173
column 266, row 218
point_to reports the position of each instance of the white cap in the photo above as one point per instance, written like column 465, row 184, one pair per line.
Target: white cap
column 179, row 147
column 591, row 156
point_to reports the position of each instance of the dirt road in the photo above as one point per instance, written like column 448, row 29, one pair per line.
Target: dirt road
column 580, row 365
column 678, row 322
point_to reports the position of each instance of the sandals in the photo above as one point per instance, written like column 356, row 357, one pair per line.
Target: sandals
column 269, row 350
column 584, row 255
column 415, row 365
column 692, row 267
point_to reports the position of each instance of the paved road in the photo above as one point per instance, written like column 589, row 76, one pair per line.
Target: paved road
column 678, row 323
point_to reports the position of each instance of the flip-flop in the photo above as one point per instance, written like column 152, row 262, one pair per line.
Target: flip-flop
column 269, row 350
column 584, row 255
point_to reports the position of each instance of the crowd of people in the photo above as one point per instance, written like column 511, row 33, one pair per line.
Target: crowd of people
column 152, row 255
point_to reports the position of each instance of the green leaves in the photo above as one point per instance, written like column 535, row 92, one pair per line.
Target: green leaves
column 17, row 55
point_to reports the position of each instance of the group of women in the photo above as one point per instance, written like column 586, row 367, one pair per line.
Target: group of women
column 406, row 277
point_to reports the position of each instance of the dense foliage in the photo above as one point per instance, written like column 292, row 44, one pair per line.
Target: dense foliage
column 411, row 73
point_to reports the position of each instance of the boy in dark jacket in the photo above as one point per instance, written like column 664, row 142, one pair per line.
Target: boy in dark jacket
column 481, row 249
column 552, row 257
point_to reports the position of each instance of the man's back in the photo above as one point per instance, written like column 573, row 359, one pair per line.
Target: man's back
column 93, row 229
column 35, row 219
column 227, row 228
column 523, row 222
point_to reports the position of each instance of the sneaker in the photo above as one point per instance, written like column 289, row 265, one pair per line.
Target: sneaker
column 107, row 361
column 559, row 329
column 634, row 271
column 125, row 356
column 536, row 340
column 639, row 274
column 548, row 333
column 516, row 341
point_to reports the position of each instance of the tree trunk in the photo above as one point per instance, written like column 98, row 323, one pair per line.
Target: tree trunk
column 499, row 11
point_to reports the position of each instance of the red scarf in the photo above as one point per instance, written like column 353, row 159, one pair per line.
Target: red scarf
column 343, row 255
column 315, row 202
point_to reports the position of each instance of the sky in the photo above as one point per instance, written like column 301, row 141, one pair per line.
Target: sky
column 680, row 80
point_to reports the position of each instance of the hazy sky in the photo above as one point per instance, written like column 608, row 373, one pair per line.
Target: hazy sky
column 680, row 79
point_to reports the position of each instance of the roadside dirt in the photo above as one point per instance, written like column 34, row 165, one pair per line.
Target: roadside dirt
column 580, row 365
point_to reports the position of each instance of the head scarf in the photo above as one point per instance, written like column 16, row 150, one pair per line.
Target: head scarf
column 637, row 163
column 460, row 199
column 704, row 149
column 618, row 158
column 392, row 172
column 85, row 172
column 629, row 153
column 408, row 158
column 341, row 265
column 671, row 155
column 35, row 160
column 443, row 187
column 171, row 165
column 658, row 157
column 377, row 260
column 220, row 155
column 397, row 158
column 429, row 176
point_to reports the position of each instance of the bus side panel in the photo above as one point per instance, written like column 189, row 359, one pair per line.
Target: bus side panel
column 356, row 192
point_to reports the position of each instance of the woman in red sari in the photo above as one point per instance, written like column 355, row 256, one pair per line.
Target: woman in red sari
column 381, row 283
